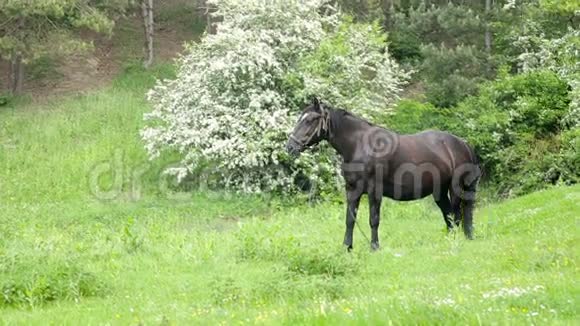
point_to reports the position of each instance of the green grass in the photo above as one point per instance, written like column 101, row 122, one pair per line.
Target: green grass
column 48, row 151
column 67, row 257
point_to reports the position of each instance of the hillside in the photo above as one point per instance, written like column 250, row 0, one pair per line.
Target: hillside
column 70, row 253
column 176, row 22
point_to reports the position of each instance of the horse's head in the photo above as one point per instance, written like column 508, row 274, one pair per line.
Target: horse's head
column 310, row 129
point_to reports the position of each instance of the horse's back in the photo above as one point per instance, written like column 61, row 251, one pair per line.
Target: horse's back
column 449, row 143
column 434, row 135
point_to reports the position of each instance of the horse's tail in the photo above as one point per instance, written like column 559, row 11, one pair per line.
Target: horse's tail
column 464, row 203
column 467, row 207
column 470, row 182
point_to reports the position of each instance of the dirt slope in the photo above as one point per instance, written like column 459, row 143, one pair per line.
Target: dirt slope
column 177, row 22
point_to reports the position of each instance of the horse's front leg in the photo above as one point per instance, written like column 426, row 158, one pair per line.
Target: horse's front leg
column 353, row 200
column 375, row 218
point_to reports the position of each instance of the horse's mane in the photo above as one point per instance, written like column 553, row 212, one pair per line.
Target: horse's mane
column 337, row 115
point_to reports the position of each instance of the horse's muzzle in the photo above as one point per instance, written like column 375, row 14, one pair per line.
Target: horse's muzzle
column 293, row 148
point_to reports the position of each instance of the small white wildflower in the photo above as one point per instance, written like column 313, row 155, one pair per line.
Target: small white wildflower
column 511, row 292
column 448, row 301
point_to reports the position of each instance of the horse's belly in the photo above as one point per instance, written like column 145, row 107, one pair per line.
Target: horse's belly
column 407, row 192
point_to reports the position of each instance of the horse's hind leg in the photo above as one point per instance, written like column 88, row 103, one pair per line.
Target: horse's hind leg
column 456, row 208
column 375, row 217
column 468, row 205
column 445, row 206
column 463, row 205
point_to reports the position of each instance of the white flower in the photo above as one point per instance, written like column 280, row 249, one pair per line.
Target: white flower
column 448, row 301
column 511, row 292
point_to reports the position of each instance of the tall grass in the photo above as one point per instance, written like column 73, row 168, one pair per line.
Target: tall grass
column 47, row 151
column 68, row 256
column 212, row 260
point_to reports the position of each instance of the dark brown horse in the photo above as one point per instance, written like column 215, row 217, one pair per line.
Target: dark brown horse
column 379, row 162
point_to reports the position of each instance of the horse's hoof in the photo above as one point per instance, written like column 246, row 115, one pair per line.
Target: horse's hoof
column 469, row 234
column 348, row 248
column 375, row 246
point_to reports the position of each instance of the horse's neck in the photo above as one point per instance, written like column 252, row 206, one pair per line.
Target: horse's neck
column 343, row 135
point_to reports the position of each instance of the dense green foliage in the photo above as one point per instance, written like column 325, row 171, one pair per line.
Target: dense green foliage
column 515, row 124
column 456, row 44
column 36, row 27
column 451, row 74
column 445, row 44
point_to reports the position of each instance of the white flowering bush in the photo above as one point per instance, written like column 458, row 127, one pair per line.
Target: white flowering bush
column 237, row 92
column 559, row 55
column 353, row 69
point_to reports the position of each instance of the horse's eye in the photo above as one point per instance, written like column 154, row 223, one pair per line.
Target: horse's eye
column 311, row 118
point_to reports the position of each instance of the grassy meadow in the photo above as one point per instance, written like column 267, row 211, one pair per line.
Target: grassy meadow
column 136, row 253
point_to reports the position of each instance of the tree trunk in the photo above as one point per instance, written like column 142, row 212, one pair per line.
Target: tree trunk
column 16, row 74
column 388, row 10
column 206, row 10
column 147, row 13
column 488, row 35
column 487, row 28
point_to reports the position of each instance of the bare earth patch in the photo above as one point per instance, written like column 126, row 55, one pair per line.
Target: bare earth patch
column 96, row 69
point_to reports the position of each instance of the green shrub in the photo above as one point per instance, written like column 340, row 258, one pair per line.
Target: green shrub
column 452, row 74
column 4, row 99
column 518, row 126
column 405, row 46
column 514, row 124
column 567, row 162
column 444, row 44
column 26, row 283
column 536, row 101
column 298, row 255
column 524, row 167
column 412, row 116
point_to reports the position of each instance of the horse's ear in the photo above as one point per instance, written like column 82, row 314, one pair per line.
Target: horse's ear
column 316, row 102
